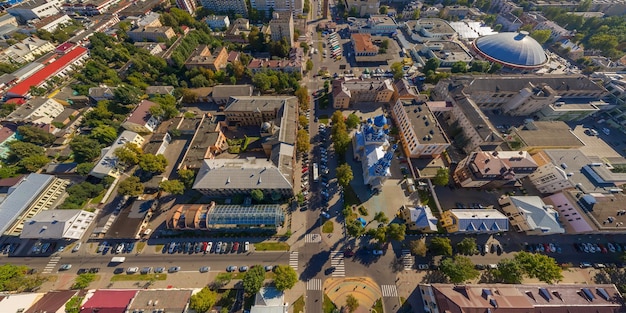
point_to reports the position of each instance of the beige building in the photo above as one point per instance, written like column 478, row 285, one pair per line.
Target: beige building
column 293, row 7
column 26, row 50
column 420, row 132
column 363, row 8
column 348, row 92
column 281, row 26
column 478, row 131
column 549, row 178
column 492, row 169
column 36, row 111
column 530, row 215
column 151, row 34
column 202, row 57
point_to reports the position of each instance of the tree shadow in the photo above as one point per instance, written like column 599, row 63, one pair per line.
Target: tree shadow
column 434, row 277
column 314, row 265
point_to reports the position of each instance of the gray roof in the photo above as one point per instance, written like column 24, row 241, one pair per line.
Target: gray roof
column 483, row 221
column 109, row 161
column 49, row 224
column 424, row 123
column 159, row 90
column 514, row 83
column 537, row 214
column 249, row 104
column 170, row 300
column 512, row 48
column 225, row 91
column 250, row 173
column 268, row 300
column 21, row 197
column 478, row 119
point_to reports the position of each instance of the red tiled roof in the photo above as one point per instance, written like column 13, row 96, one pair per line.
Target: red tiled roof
column 109, row 301
column 141, row 114
column 64, row 47
column 18, row 101
column 36, row 79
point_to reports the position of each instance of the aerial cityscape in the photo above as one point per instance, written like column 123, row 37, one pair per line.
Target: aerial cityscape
column 318, row 156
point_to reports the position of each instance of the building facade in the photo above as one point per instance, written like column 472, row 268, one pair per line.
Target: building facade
column 202, row 57
column 108, row 165
column 281, row 27
column 293, row 7
column 141, row 120
column 372, row 148
column 58, row 224
column 188, row 6
column 29, row 10
column 235, row 6
column 36, row 111
column 218, row 22
column 420, row 132
column 348, row 92
column 151, row 34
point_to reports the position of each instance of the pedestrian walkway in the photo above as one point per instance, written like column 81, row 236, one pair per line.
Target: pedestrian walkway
column 407, row 260
column 314, row 284
column 313, row 238
column 389, row 290
column 51, row 264
column 336, row 261
column 293, row 260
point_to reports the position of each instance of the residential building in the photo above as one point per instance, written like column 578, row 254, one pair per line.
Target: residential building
column 509, row 21
column 108, row 300
column 549, row 178
column 217, row 22
column 52, row 301
column 36, row 111
column 52, row 22
column 538, row 135
column 103, row 92
column 159, row 90
column 238, row 31
column 558, row 33
column 287, row 66
column 293, row 7
column 188, row 6
column 372, row 148
column 477, row 129
column 574, row 51
column 472, row 221
column 141, row 120
column 108, row 163
column 90, row 7
column 26, row 50
column 406, row 92
column 375, row 24
column 281, row 27
column 156, row 34
column 493, row 169
column 427, row 29
column 235, row 6
column 66, row 116
column 419, row 218
column 59, row 68
column 8, row 19
column 160, row 300
column 35, row 193
column 202, row 57
column 132, row 220
column 151, row 19
column 420, row 132
column 363, row 45
column 269, row 300
column 348, row 92
column 57, row 224
column 208, row 140
column 158, row 143
column 29, row 10
column 214, row 216
column 529, row 214
column 19, row 302
column 154, row 48
column 364, row 8
column 531, row 298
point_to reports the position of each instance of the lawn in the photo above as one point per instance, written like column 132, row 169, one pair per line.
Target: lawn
column 328, row 227
column 98, row 198
column 328, row 306
column 298, row 305
column 140, row 277
column 324, row 119
column 378, row 306
column 248, row 141
column 271, row 246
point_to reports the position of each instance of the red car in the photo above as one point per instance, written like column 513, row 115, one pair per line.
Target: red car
column 602, row 248
column 304, row 170
column 204, row 246
column 235, row 247
column 348, row 253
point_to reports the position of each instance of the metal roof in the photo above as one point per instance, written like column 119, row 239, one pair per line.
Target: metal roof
column 264, row 214
column 517, row 49
column 250, row 173
column 21, row 198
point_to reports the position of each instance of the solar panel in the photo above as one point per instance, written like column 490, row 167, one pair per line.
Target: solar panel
column 588, row 294
column 603, row 293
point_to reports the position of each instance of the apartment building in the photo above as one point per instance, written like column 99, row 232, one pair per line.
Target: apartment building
column 202, row 57
column 493, row 169
column 26, row 50
column 530, row 215
column 141, row 120
column 89, row 7
column 217, row 22
column 420, row 132
column 348, row 92
column 33, row 9
column 223, row 6
column 36, row 111
column 151, row 34
column 478, row 131
column 52, row 22
column 364, row 8
column 108, row 165
column 188, row 6
column 293, row 7
column 58, row 224
column 281, row 27
column 33, row 194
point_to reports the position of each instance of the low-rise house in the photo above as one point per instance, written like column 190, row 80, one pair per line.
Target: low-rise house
column 65, row 117
column 108, row 301
column 160, row 300
column 238, row 31
column 108, row 163
column 101, row 93
column 287, row 66
column 57, row 224
column 419, row 218
column 26, row 50
column 529, row 214
column 492, row 169
column 155, row 34
column 52, row 301
column 159, row 90
column 141, row 120
column 52, row 22
column 19, row 302
column 221, row 93
column 154, row 48
column 269, row 300
column 36, row 111
column 202, row 57
column 472, row 221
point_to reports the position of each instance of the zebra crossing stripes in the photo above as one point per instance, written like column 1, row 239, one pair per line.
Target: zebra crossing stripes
column 314, row 284
column 293, row 260
column 313, row 238
column 337, row 261
column 389, row 290
column 407, row 260
column 51, row 264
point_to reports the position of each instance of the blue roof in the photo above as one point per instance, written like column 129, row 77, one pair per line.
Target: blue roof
column 19, row 200
column 512, row 48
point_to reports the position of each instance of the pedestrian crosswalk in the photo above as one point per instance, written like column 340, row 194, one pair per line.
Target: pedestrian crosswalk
column 51, row 264
column 293, row 260
column 314, row 284
column 389, row 290
column 312, row 238
column 337, row 261
column 407, row 260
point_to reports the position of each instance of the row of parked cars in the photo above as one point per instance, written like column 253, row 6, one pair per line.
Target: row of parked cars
column 611, row 247
column 206, row 247
column 543, row 247
column 116, row 248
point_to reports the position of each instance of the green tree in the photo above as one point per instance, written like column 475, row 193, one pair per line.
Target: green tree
column 352, row 303
column 302, row 93
column 396, row 231
column 173, row 186
column 253, row 280
column 539, row 266
column 467, row 246
column 34, row 162
column 285, row 277
column 383, row 9
column 352, row 121
column 19, row 150
column 85, row 149
column 35, row 135
column 153, row 163
column 344, row 175
column 509, row 271
column 418, row 247
column 354, row 227
column 82, row 281
column 396, row 69
column 459, row 67
column 129, row 154
column 309, row 65
column 104, row 134
column 442, row 177
column 380, row 234
column 73, row 306
column 381, row 217
column 303, row 143
column 541, row 35
column 458, row 269
column 257, row 195
column 203, row 301
column 187, row 177
column 431, row 65
column 83, row 169
column 131, row 186
column 303, row 121
column 441, row 246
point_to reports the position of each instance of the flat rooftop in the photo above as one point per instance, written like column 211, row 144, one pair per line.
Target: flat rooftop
column 424, row 123
column 448, row 51
column 130, row 219
column 435, row 25
column 548, row 134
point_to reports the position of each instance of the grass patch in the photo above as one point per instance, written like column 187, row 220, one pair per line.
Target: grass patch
column 248, row 141
column 427, row 199
column 402, row 300
column 328, row 227
column 378, row 305
column 189, row 114
column 271, row 246
column 324, row 119
column 328, row 306
column 141, row 277
column 98, row 198
column 298, row 305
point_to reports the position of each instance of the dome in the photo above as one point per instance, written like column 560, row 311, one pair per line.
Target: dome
column 266, row 126
column 517, row 50
column 380, row 121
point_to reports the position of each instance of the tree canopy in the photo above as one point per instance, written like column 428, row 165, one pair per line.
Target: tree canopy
column 285, row 277
column 509, row 271
column 153, row 163
column 35, row 135
column 539, row 266
column 257, row 195
column 131, row 186
column 85, row 149
column 418, row 247
column 173, row 186
column 442, row 177
column 441, row 246
column 467, row 246
column 253, row 280
column 352, row 121
column 458, row 269
column 203, row 301
column 344, row 175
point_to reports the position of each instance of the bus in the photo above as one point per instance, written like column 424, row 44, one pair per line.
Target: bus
column 316, row 174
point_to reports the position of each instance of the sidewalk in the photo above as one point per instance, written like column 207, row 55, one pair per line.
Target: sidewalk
column 364, row 289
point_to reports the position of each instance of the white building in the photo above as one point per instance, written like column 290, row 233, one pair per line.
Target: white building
column 26, row 50
column 419, row 130
column 52, row 22
column 57, row 224
column 217, row 22
column 33, row 9
column 108, row 163
column 531, row 215
column 550, row 178
column 371, row 147
column 141, row 120
column 36, row 111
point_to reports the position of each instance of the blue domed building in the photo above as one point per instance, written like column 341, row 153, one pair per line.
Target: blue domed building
column 371, row 147
column 512, row 50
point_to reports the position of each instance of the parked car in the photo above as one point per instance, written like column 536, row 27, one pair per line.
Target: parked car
column 246, row 246
column 204, row 269
column 235, row 247
column 377, row 252
column 65, row 267
column 218, row 247
column 118, row 270
column 231, row 268
column 94, row 270
column 146, row 270
column 243, row 269
column 268, row 268
column 132, row 270
column 76, row 247
column 173, row 269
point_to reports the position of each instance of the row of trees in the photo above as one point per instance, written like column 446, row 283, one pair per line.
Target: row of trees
column 16, row 278
column 278, row 81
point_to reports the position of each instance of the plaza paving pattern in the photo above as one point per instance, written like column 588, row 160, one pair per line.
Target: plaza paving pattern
column 364, row 289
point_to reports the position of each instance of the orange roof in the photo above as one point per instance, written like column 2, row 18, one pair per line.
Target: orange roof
column 363, row 43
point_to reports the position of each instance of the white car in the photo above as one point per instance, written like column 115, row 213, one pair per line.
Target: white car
column 218, row 248
column 246, row 246
column 76, row 247
column 132, row 270
column 209, row 246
